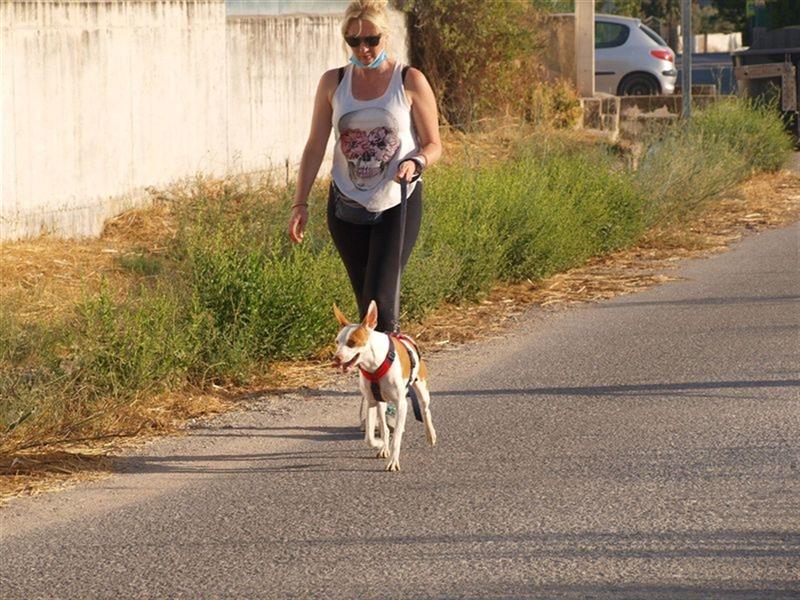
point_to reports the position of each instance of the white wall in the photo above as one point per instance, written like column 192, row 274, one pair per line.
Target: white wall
column 285, row 7
column 103, row 99
column 712, row 42
column 274, row 65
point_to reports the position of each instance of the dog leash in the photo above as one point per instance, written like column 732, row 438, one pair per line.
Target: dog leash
column 403, row 210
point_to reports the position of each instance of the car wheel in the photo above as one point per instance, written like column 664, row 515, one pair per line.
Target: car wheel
column 639, row 84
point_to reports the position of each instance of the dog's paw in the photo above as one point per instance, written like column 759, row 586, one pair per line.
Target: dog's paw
column 383, row 453
column 431, row 437
column 394, row 465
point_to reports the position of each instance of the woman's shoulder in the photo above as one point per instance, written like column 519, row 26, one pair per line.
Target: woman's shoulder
column 414, row 80
column 413, row 76
column 330, row 81
column 331, row 76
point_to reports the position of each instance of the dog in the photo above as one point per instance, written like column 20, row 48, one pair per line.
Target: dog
column 388, row 364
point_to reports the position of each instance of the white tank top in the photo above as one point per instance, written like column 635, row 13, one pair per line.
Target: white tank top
column 372, row 138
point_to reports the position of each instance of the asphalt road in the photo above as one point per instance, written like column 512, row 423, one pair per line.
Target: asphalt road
column 643, row 447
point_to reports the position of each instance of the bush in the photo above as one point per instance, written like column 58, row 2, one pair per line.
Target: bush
column 747, row 128
column 479, row 56
column 718, row 148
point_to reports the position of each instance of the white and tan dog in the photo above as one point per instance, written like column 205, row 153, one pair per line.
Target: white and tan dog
column 389, row 362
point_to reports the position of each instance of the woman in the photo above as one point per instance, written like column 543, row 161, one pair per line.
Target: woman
column 386, row 129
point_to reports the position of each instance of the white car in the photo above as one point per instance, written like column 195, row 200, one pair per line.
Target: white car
column 631, row 59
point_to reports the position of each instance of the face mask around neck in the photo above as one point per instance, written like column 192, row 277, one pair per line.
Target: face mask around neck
column 373, row 65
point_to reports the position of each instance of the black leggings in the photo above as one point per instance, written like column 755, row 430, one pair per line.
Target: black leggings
column 370, row 255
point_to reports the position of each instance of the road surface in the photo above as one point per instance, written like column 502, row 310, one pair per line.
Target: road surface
column 642, row 447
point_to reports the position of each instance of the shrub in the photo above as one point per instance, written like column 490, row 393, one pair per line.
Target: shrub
column 696, row 161
column 479, row 56
column 750, row 129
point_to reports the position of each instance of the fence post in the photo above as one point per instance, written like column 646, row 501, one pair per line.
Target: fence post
column 686, row 56
column 584, row 47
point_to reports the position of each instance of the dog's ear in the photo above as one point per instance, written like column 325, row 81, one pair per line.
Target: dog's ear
column 371, row 318
column 340, row 316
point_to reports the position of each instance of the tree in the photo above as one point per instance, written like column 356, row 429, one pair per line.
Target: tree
column 782, row 13
column 628, row 8
column 479, row 56
column 733, row 12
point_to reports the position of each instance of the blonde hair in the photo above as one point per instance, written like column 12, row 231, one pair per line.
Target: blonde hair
column 373, row 11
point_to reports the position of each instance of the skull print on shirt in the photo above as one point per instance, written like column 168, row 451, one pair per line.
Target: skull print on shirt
column 369, row 141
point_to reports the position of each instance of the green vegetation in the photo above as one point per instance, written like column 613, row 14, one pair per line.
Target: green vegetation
column 232, row 294
column 693, row 163
column 480, row 57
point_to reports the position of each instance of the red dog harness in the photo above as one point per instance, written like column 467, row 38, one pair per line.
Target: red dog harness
column 375, row 377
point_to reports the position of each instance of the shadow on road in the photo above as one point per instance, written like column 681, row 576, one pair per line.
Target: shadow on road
column 598, row 390
column 772, row 589
column 700, row 302
column 626, row 390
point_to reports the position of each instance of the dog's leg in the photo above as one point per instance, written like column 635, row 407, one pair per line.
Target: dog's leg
column 384, row 428
column 421, row 387
column 362, row 413
column 370, row 431
column 399, row 428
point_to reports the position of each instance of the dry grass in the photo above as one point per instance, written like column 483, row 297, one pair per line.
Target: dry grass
column 46, row 277
column 51, row 274
column 38, row 467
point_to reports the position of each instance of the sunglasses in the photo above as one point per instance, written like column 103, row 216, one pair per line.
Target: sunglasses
column 370, row 40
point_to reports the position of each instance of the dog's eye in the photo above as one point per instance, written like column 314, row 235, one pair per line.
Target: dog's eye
column 350, row 343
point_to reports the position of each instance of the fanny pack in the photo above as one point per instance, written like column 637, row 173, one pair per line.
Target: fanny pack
column 350, row 211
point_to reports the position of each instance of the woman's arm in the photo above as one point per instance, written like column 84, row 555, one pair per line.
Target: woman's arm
column 313, row 153
column 426, row 121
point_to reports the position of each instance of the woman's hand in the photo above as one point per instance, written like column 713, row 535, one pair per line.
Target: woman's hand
column 406, row 170
column 297, row 223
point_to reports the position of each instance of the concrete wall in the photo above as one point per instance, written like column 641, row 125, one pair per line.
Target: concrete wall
column 102, row 99
column 717, row 42
column 274, row 65
column 285, row 7
column 712, row 42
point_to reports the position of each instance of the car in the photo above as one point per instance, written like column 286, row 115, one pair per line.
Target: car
column 631, row 59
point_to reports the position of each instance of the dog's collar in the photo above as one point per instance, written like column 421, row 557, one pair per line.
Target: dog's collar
column 385, row 365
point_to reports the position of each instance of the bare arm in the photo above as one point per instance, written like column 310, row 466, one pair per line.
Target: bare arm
column 426, row 120
column 313, row 153
column 425, row 115
column 317, row 142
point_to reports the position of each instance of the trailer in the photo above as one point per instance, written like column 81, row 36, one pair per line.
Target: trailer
column 769, row 71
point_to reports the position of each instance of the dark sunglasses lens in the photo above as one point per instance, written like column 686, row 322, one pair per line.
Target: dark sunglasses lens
column 370, row 40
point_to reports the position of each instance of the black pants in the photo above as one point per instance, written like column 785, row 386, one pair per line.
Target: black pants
column 371, row 256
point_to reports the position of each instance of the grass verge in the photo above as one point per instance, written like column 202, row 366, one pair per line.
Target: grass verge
column 218, row 294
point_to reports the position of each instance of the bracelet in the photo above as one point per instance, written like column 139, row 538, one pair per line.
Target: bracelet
column 299, row 204
column 418, row 160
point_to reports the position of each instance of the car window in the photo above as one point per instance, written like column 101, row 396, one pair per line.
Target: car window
column 610, row 35
column 653, row 35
